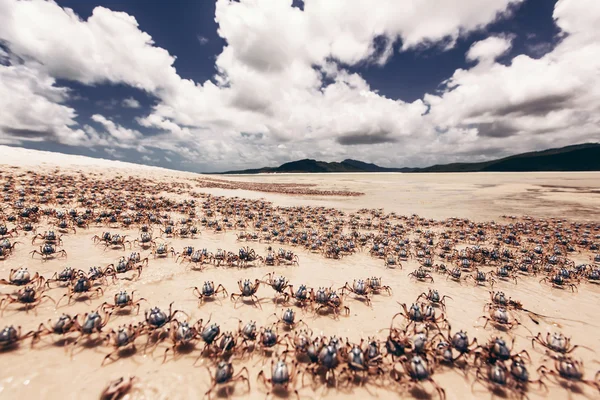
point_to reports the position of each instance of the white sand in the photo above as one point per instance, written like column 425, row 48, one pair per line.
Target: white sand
column 48, row 372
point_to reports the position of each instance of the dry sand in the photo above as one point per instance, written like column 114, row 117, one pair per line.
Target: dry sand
column 48, row 371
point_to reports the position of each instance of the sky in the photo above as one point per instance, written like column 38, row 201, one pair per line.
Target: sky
column 209, row 86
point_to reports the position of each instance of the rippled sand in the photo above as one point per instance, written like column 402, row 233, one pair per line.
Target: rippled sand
column 50, row 371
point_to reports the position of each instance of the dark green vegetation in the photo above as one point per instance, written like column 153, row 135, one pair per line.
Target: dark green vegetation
column 580, row 157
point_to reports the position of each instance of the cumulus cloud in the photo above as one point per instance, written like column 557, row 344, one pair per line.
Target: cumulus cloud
column 32, row 108
column 553, row 100
column 130, row 102
column 108, row 47
column 283, row 77
column 120, row 133
column 489, row 49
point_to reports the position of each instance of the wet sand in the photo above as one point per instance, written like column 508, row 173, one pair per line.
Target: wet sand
column 53, row 371
column 479, row 196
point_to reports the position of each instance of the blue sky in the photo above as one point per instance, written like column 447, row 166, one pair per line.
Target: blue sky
column 209, row 86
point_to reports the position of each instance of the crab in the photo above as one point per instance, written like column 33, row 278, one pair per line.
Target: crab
column 21, row 276
column 421, row 275
column 359, row 288
column 26, row 227
column 6, row 248
column 117, row 241
column 117, row 388
column 519, row 376
column 496, row 349
column 186, row 253
column 123, row 300
column 480, row 278
column 168, row 231
column 162, row 250
column 496, row 377
column 361, row 362
column 145, row 241
column 270, row 259
column 105, row 238
column 198, row 258
column 279, row 284
column 392, row 263
column 248, row 333
column 247, row 256
column 434, row 298
column 499, row 317
column 11, row 337
column 48, row 237
column 570, row 372
column 455, row 274
column 301, row 341
column 228, row 343
column 247, row 290
column 419, row 312
column 556, row 342
column 93, row 323
column 593, row 276
column 504, row 274
column 64, row 325
column 209, row 291
column 287, row 257
column 80, row 287
column 219, row 257
column 498, row 299
column 29, row 297
column 65, row 227
column 4, row 231
column 282, row 376
column 268, row 338
column 122, row 339
column 224, row 374
column 397, row 342
column 156, row 320
column 459, row 342
column 333, row 303
column 125, row 265
column 303, row 296
column 288, row 319
column 67, row 275
column 419, row 369
column 181, row 334
column 208, row 333
column 48, row 251
column 376, row 287
column 327, row 358
column 559, row 282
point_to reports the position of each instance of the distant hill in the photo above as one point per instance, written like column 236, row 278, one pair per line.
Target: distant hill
column 308, row 165
column 580, row 157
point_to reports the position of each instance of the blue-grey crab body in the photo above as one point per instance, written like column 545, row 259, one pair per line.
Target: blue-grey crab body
column 210, row 333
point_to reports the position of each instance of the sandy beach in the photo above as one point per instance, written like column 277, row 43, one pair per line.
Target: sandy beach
column 54, row 367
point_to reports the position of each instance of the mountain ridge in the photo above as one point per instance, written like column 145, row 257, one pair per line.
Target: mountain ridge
column 578, row 157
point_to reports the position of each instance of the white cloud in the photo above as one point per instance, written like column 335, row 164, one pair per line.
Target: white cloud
column 281, row 79
column 118, row 132
column 32, row 108
column 530, row 103
column 130, row 102
column 489, row 49
column 202, row 40
column 108, row 47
